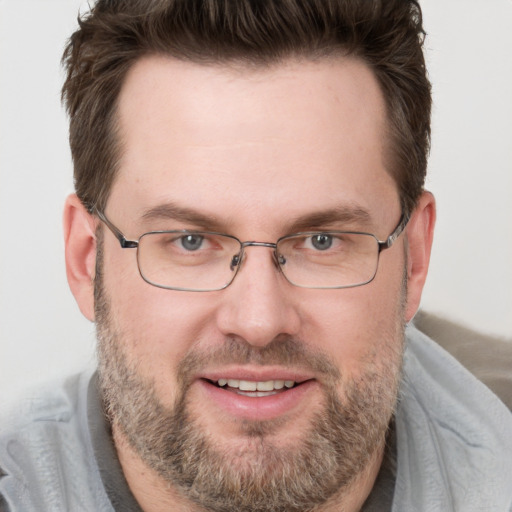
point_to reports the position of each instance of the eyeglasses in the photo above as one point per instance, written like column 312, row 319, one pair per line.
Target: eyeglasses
column 202, row 261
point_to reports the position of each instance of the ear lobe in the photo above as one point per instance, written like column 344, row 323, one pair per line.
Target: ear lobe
column 420, row 235
column 80, row 246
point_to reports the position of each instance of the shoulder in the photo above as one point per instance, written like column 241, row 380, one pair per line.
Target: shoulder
column 54, row 407
column 454, row 435
column 45, row 450
column 488, row 358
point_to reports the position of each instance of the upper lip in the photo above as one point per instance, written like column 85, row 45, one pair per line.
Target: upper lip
column 257, row 374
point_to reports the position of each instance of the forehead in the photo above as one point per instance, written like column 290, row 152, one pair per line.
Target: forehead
column 237, row 141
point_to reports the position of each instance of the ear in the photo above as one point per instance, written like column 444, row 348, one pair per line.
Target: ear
column 420, row 234
column 80, row 245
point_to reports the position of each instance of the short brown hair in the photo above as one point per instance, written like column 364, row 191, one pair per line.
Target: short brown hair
column 386, row 34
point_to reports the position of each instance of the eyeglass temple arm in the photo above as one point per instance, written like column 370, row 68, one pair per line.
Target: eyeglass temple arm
column 125, row 244
column 386, row 244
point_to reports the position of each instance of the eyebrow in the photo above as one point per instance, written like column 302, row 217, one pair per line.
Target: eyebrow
column 341, row 216
column 172, row 211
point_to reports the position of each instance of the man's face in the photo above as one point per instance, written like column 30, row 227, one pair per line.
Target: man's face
column 258, row 154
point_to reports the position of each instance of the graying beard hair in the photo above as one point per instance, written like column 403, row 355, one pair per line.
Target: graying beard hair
column 262, row 478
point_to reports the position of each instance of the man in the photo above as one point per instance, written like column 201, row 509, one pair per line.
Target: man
column 251, row 236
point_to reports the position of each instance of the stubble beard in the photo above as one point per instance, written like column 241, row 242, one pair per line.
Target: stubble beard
column 261, row 476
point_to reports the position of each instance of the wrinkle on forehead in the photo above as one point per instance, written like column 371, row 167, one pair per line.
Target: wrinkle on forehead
column 194, row 91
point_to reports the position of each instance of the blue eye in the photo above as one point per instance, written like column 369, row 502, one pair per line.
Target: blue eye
column 192, row 242
column 321, row 242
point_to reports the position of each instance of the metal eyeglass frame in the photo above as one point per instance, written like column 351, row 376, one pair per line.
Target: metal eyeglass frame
column 238, row 258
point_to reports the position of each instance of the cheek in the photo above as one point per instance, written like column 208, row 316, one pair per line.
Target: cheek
column 157, row 327
column 354, row 326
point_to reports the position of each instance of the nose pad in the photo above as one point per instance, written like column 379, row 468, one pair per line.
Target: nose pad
column 279, row 259
column 236, row 261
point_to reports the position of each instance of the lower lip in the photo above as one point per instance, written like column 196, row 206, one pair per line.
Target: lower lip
column 258, row 408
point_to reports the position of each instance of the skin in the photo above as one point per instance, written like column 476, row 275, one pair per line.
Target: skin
column 252, row 151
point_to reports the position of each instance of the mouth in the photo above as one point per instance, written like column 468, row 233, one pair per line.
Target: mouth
column 257, row 399
column 255, row 389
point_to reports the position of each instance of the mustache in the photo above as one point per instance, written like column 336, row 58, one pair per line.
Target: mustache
column 284, row 351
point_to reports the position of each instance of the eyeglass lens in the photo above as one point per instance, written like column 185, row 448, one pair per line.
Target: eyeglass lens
column 202, row 261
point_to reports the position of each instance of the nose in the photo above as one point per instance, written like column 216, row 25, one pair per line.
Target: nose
column 259, row 305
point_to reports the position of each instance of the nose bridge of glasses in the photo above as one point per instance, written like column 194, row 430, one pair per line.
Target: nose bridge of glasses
column 237, row 259
column 259, row 244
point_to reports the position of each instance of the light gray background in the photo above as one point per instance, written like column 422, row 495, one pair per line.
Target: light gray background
column 42, row 333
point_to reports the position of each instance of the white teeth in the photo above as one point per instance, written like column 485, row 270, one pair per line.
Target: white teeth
column 265, row 386
column 249, row 385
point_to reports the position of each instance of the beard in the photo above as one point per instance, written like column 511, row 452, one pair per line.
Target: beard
column 343, row 437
